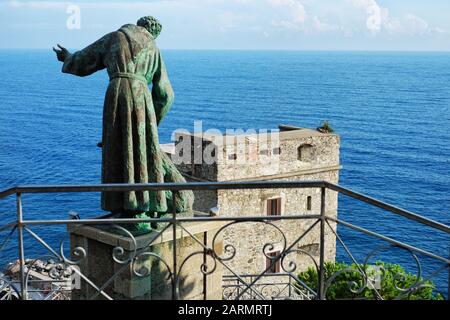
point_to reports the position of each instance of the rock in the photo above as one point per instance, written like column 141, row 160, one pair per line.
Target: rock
column 39, row 265
column 49, row 267
column 14, row 268
column 67, row 273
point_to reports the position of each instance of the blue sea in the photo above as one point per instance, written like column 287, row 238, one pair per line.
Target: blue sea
column 391, row 109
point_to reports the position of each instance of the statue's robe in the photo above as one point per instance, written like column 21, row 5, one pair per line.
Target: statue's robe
column 131, row 114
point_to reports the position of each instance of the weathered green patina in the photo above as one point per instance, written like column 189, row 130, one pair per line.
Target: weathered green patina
column 131, row 115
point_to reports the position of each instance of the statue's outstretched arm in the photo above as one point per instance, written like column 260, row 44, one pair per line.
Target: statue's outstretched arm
column 86, row 61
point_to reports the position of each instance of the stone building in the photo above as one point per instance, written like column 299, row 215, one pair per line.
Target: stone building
column 285, row 155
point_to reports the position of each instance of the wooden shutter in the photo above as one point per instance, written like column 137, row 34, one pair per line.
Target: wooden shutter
column 274, row 207
column 276, row 267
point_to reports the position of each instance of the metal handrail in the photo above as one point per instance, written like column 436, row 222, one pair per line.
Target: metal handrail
column 175, row 221
column 223, row 186
column 162, row 186
column 383, row 205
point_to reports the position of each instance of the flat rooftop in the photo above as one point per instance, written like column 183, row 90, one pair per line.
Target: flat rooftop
column 291, row 134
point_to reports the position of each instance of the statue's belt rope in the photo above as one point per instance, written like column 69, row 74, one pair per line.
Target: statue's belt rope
column 128, row 76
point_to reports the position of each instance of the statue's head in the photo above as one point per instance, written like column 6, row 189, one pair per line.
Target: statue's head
column 151, row 24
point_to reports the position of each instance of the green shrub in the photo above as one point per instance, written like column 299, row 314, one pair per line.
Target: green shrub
column 325, row 128
column 349, row 282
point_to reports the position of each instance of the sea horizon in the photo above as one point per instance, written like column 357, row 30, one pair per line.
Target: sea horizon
column 262, row 50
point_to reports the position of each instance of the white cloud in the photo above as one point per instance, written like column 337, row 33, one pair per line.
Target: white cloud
column 116, row 5
column 42, row 5
column 416, row 25
column 258, row 17
column 285, row 24
column 379, row 19
column 324, row 27
column 230, row 20
column 295, row 9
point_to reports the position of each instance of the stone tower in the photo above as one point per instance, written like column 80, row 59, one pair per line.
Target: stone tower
column 285, row 155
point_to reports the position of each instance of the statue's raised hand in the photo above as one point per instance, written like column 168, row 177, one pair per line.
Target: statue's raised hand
column 61, row 53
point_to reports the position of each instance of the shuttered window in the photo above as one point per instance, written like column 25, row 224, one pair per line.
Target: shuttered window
column 274, row 267
column 274, row 207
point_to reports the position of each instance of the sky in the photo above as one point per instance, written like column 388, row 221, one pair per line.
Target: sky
column 400, row 25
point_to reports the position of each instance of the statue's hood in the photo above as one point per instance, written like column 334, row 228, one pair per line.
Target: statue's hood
column 138, row 37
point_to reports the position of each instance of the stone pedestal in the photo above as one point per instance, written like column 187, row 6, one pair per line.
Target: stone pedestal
column 107, row 263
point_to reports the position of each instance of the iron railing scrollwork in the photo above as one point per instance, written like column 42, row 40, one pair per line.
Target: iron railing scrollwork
column 285, row 284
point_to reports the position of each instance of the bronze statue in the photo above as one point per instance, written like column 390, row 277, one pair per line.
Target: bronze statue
column 131, row 115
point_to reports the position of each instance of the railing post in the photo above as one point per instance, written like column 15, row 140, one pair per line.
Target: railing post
column 174, row 246
column 290, row 286
column 321, row 278
column 20, row 242
column 205, row 277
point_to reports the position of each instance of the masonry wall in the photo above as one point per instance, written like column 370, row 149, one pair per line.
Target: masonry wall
column 325, row 153
column 247, row 242
column 249, row 239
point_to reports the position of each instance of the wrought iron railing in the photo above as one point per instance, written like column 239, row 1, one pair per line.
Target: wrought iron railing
column 272, row 286
column 244, row 287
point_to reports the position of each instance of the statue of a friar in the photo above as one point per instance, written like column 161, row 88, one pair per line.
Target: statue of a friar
column 131, row 115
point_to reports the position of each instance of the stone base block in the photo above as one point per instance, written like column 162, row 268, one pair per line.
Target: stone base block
column 142, row 267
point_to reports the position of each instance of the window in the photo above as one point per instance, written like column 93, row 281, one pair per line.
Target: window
column 232, row 156
column 273, row 267
column 264, row 152
column 276, row 151
column 305, row 152
column 308, row 203
column 274, row 207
